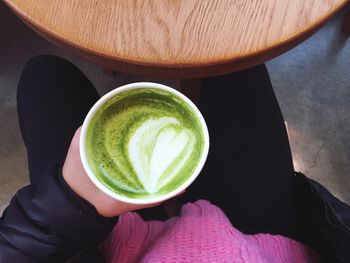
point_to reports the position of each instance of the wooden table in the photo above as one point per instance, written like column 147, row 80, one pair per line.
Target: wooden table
column 176, row 38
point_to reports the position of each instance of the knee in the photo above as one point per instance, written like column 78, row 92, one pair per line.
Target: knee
column 41, row 72
column 47, row 68
column 42, row 63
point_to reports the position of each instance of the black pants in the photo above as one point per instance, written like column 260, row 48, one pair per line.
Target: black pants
column 249, row 168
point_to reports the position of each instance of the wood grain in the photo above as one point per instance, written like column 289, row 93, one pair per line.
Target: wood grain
column 176, row 38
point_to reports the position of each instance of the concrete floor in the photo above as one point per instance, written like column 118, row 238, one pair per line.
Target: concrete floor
column 312, row 84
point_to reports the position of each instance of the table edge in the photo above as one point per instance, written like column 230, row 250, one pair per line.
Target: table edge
column 183, row 70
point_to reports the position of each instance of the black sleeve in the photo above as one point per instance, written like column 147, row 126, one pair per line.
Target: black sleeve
column 50, row 223
column 324, row 220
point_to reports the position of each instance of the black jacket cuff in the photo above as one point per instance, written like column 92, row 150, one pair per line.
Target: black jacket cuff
column 50, row 221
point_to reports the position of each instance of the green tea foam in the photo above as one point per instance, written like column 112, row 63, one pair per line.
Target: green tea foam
column 144, row 142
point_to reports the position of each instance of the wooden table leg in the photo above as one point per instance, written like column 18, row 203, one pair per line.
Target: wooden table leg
column 346, row 23
column 108, row 71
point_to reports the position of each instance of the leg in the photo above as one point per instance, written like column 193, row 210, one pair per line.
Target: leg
column 53, row 98
column 249, row 171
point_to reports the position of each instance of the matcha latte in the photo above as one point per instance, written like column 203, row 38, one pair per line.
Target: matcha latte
column 144, row 142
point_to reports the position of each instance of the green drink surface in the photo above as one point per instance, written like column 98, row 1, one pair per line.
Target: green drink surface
column 144, row 142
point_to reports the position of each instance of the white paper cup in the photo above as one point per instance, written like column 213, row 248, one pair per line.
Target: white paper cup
column 145, row 200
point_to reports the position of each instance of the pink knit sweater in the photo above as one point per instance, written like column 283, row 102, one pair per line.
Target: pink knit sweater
column 201, row 233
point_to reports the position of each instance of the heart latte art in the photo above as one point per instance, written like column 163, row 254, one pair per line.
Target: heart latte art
column 144, row 142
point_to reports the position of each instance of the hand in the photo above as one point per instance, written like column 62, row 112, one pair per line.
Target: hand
column 76, row 177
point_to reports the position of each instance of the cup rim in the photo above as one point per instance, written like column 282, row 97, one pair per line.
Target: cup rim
column 150, row 200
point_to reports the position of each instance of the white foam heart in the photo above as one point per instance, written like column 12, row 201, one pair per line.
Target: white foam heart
column 158, row 150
